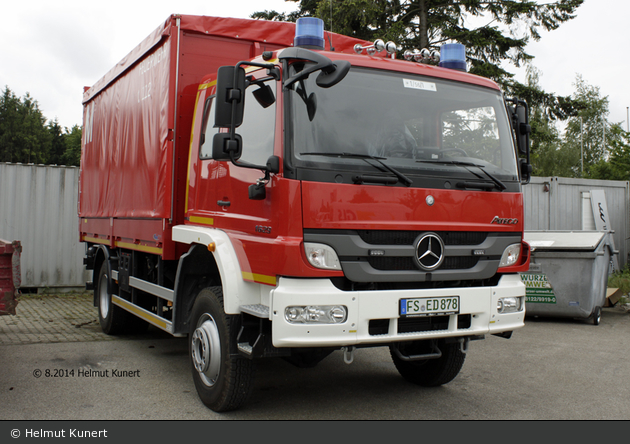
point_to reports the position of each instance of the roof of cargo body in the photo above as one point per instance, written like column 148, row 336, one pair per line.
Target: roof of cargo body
column 261, row 31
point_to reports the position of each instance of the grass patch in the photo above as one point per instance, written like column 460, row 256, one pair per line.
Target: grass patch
column 621, row 280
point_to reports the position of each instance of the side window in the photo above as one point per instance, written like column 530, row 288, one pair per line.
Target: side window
column 205, row 150
column 257, row 130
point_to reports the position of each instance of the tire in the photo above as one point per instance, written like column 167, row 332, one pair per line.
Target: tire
column 223, row 379
column 596, row 317
column 429, row 372
column 113, row 319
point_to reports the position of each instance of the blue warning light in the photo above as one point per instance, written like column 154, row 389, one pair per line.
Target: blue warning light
column 309, row 33
column 453, row 56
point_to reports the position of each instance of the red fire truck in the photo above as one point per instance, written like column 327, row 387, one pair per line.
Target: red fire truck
column 270, row 189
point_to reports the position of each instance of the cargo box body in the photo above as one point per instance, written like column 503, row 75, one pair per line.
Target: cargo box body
column 137, row 126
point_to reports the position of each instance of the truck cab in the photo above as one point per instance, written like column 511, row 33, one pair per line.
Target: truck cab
column 369, row 200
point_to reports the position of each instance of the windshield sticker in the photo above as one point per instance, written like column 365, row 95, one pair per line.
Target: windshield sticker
column 417, row 84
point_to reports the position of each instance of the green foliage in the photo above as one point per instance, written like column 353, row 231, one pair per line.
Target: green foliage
column 25, row 137
column 590, row 147
column 586, row 131
column 621, row 279
column 616, row 165
column 72, row 146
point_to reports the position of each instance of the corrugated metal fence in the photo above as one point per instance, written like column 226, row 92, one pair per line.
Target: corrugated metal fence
column 38, row 206
column 558, row 203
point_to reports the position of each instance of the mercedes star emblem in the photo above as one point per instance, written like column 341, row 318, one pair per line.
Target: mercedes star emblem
column 429, row 251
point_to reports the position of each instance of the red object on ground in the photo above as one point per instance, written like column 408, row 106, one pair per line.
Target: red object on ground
column 10, row 278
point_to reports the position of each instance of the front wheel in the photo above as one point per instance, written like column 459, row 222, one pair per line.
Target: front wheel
column 428, row 372
column 222, row 378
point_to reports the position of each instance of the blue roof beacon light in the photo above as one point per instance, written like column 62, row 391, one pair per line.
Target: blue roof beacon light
column 309, row 33
column 453, row 56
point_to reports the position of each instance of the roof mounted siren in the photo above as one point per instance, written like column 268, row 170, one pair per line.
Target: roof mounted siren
column 309, row 33
column 453, row 56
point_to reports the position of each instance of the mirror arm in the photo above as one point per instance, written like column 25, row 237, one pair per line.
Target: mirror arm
column 322, row 63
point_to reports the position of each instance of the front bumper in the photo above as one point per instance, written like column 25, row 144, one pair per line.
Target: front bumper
column 363, row 306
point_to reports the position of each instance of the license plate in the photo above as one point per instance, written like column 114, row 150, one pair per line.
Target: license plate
column 429, row 306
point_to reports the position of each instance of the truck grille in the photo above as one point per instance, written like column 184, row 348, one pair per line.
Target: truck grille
column 405, row 263
column 393, row 256
column 391, row 237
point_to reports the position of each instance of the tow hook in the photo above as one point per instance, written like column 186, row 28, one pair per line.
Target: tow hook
column 348, row 354
column 463, row 344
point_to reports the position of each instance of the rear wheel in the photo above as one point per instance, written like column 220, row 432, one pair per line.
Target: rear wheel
column 428, row 372
column 222, row 378
column 113, row 319
column 596, row 317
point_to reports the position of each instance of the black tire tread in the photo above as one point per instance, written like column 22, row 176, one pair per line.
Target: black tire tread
column 432, row 372
column 239, row 381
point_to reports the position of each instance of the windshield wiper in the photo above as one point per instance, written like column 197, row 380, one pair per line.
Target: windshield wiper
column 401, row 177
column 496, row 182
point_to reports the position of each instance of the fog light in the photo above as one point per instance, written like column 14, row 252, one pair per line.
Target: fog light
column 510, row 305
column 316, row 314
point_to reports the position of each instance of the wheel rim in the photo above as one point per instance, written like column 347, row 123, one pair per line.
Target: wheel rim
column 103, row 297
column 598, row 316
column 206, row 350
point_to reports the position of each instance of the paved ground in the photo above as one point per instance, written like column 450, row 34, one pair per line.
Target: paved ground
column 52, row 318
column 553, row 369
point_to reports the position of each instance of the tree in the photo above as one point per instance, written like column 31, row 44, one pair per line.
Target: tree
column 548, row 156
column 617, row 166
column 25, row 137
column 72, row 146
column 508, row 25
column 57, row 146
column 23, row 133
column 590, row 132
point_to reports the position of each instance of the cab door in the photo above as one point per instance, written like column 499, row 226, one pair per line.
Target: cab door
column 250, row 223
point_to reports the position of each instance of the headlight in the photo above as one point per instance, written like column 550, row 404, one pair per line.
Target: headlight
column 510, row 305
column 510, row 255
column 316, row 314
column 322, row 256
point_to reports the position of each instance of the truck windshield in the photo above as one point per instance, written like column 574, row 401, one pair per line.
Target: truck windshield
column 428, row 130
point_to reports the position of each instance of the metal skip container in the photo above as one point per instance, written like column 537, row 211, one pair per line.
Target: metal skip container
column 10, row 276
column 568, row 273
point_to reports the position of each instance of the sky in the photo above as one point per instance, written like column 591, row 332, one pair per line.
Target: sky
column 52, row 49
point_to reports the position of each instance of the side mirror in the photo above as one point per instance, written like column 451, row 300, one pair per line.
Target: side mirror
column 230, row 98
column 523, row 129
column 264, row 96
column 224, row 147
column 331, row 73
column 330, row 77
column 526, row 171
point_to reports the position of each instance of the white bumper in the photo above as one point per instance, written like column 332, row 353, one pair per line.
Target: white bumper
column 363, row 306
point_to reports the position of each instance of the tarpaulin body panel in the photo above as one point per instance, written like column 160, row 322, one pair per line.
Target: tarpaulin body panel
column 138, row 122
column 125, row 165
